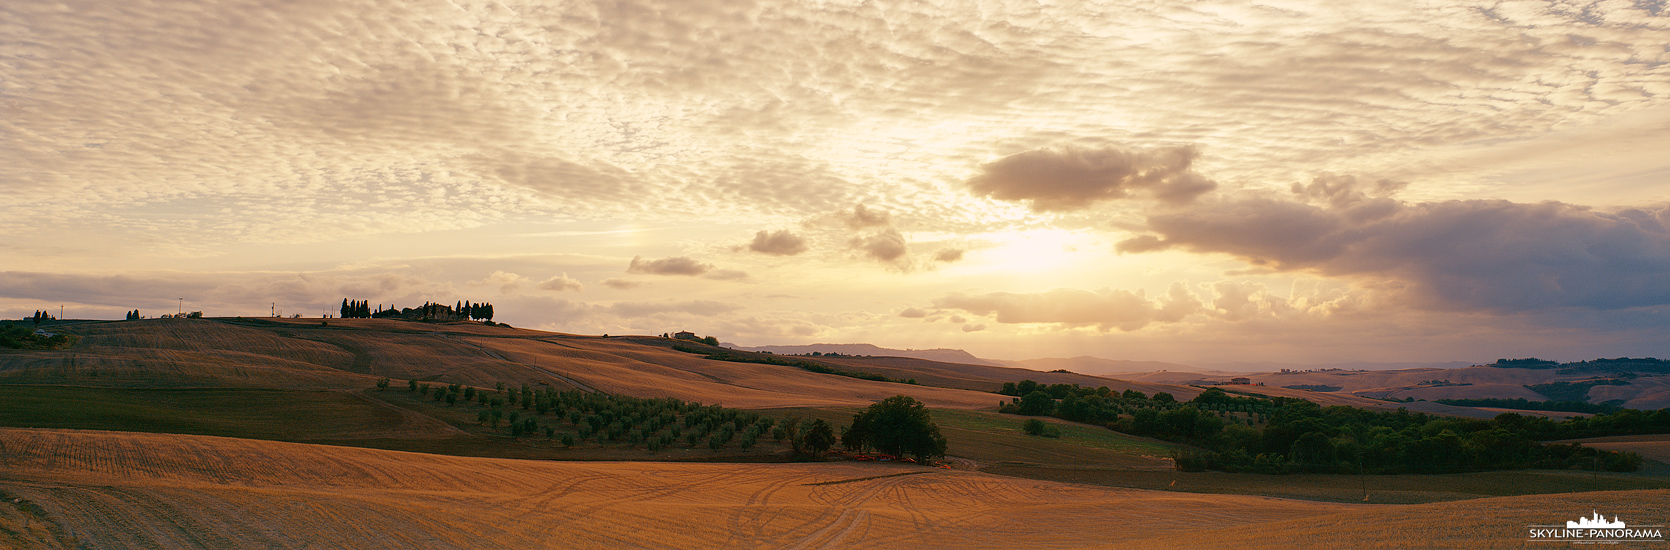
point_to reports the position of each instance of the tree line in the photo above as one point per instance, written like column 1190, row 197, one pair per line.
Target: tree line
column 464, row 309
column 1279, row 435
column 722, row 354
column 1521, row 403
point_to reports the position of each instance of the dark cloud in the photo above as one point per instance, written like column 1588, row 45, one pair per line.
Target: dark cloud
column 1070, row 178
column 949, row 255
column 913, row 313
column 778, row 243
column 677, row 265
column 1105, row 309
column 887, row 246
column 1474, row 254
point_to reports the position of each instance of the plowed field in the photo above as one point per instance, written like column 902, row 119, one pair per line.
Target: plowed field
column 125, row 490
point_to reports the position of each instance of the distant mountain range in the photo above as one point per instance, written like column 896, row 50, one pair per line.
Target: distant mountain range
column 1097, row 366
column 1350, row 365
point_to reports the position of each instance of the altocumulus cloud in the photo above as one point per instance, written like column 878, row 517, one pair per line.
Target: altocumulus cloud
column 677, row 265
column 560, row 283
column 778, row 243
column 1459, row 254
column 1071, row 178
column 692, row 307
column 1104, row 309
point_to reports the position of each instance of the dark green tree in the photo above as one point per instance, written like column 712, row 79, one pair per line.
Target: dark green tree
column 818, row 439
column 1037, row 403
column 898, row 425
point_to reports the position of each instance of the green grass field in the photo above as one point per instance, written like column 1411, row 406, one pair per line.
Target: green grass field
column 992, row 438
column 1375, row 489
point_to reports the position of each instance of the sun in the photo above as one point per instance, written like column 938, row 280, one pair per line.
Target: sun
column 1032, row 251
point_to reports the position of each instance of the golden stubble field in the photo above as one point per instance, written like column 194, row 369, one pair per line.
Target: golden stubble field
column 127, row 490
column 354, row 353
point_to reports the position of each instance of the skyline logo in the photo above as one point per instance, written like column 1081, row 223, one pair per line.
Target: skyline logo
column 1598, row 522
column 1595, row 529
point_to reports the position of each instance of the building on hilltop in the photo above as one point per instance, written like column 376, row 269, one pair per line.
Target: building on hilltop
column 685, row 335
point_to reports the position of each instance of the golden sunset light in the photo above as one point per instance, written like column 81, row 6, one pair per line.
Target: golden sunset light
column 1449, row 216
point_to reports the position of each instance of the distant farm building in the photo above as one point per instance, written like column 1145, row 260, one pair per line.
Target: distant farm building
column 1241, row 381
column 685, row 335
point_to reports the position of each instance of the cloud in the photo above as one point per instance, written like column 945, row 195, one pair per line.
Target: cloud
column 861, row 217
column 974, row 328
column 1459, row 254
column 677, row 265
column 728, row 275
column 778, row 243
column 509, row 283
column 949, row 255
column 1104, row 309
column 621, row 284
column 692, row 307
column 231, row 293
column 1071, row 178
column 913, row 313
column 560, row 283
column 886, row 246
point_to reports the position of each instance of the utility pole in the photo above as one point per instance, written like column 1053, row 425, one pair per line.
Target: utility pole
column 274, row 310
column 182, row 306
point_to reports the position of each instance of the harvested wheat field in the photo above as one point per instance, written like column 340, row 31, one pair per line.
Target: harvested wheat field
column 354, row 353
column 124, row 490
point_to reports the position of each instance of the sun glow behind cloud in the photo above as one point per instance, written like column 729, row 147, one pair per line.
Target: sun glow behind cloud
column 397, row 151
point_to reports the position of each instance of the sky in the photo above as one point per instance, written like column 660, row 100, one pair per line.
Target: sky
column 1214, row 181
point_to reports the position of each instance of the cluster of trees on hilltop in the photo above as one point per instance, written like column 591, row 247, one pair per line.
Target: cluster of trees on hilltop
column 464, row 309
column 357, row 309
column 40, row 316
column 1302, row 436
column 133, row 315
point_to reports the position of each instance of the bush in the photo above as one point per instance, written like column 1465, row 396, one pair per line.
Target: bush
column 1034, row 426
